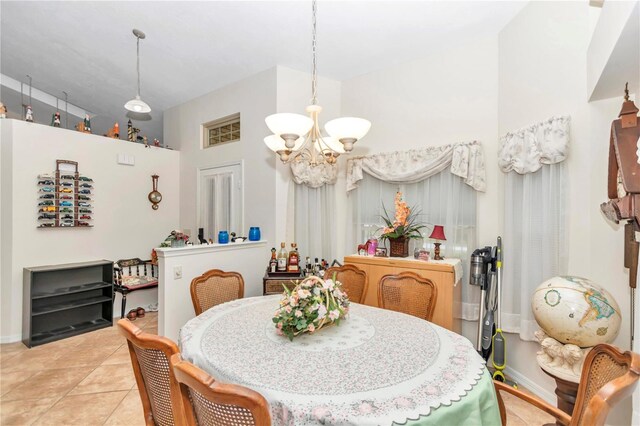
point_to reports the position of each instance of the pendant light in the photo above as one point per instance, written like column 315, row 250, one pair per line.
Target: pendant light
column 136, row 104
column 298, row 138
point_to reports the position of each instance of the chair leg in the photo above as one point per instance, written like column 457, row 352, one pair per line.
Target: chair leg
column 124, row 305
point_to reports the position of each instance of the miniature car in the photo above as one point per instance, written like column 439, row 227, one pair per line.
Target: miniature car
column 85, row 179
column 66, row 197
column 83, row 197
column 45, row 196
column 46, row 216
column 84, row 191
column 45, row 203
column 85, row 216
column 45, row 176
column 66, row 210
column 82, row 204
column 48, row 209
column 66, row 184
column 45, row 225
column 85, row 211
column 86, row 185
column 46, row 189
column 83, row 223
column 66, row 203
column 66, row 190
column 66, row 224
column 67, row 177
column 46, row 182
column 67, row 216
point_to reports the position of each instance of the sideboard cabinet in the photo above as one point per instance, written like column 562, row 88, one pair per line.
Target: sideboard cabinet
column 447, row 310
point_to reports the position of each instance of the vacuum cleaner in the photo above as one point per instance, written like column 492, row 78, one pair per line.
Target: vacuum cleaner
column 486, row 272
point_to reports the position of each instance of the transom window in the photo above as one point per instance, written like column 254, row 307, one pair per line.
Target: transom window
column 222, row 130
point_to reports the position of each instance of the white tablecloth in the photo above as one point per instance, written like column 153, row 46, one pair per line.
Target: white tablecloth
column 377, row 367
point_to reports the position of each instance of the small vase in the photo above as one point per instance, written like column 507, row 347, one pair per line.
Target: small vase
column 254, row 233
column 223, row 237
column 399, row 247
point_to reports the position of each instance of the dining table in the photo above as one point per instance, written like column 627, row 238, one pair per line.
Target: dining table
column 376, row 367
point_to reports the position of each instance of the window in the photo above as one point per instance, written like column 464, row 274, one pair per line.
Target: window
column 220, row 200
column 223, row 130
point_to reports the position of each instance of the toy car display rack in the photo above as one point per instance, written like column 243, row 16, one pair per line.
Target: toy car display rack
column 65, row 198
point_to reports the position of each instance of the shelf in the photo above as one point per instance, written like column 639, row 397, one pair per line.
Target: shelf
column 70, row 290
column 68, row 331
column 57, row 307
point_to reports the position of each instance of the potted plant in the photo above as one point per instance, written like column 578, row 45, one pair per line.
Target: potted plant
column 402, row 228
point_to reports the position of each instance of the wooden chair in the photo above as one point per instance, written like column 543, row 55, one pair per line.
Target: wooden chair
column 131, row 275
column 215, row 403
column 409, row 293
column 215, row 287
column 354, row 281
column 608, row 376
column 159, row 390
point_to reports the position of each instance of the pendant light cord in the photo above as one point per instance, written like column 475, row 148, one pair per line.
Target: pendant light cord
column 314, row 75
column 138, row 62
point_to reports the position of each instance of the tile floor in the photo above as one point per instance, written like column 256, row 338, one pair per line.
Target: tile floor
column 88, row 380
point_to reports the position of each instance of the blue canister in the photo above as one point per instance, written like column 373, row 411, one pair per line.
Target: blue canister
column 223, row 237
column 254, row 233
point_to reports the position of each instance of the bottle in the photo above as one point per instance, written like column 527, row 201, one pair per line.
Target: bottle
column 273, row 263
column 307, row 272
column 316, row 267
column 294, row 260
column 282, row 259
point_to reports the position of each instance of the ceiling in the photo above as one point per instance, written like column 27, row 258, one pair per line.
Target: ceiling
column 87, row 48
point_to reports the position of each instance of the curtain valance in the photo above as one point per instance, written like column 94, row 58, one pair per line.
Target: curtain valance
column 526, row 150
column 465, row 160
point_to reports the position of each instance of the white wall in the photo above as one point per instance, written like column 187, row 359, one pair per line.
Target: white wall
column 125, row 224
column 254, row 98
column 543, row 73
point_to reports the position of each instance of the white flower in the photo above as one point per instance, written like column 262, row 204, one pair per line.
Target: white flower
column 334, row 315
column 328, row 284
column 303, row 294
column 298, row 313
column 293, row 301
column 314, row 307
column 316, row 291
column 322, row 311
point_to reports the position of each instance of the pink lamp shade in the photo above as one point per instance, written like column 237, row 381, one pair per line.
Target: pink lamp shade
column 438, row 233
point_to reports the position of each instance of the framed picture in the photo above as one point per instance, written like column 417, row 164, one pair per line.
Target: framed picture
column 381, row 252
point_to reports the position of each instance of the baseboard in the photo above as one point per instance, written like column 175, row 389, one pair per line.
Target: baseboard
column 11, row 339
column 521, row 379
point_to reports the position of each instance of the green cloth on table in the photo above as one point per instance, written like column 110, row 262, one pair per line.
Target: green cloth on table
column 478, row 407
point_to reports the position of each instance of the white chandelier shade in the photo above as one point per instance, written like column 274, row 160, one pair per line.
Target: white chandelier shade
column 348, row 130
column 137, row 105
column 275, row 143
column 287, row 123
column 332, row 143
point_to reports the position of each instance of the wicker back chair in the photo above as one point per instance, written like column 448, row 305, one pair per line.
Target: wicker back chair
column 215, row 287
column 159, row 390
column 354, row 281
column 409, row 293
column 215, row 403
column 608, row 376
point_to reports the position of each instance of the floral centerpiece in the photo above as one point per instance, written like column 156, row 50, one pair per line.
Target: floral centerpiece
column 311, row 305
column 402, row 228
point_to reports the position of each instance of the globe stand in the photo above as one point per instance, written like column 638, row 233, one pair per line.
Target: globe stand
column 566, row 393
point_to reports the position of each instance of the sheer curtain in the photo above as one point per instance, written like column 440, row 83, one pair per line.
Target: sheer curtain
column 217, row 203
column 534, row 241
column 444, row 199
column 315, row 221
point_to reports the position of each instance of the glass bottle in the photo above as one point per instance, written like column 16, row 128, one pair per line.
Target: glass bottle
column 273, row 263
column 294, row 259
column 282, row 258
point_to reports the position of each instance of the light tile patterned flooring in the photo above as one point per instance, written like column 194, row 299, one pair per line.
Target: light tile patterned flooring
column 88, row 380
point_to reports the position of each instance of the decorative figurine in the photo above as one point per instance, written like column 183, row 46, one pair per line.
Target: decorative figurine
column 55, row 119
column 29, row 114
column 87, row 123
column 156, row 142
column 129, row 131
column 114, row 132
column 146, row 142
column 3, row 110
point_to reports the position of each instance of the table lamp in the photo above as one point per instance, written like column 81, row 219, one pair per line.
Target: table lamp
column 437, row 234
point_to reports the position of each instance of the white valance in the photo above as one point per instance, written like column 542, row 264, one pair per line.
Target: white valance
column 526, row 150
column 466, row 160
column 314, row 176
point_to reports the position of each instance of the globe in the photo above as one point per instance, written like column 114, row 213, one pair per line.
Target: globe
column 577, row 311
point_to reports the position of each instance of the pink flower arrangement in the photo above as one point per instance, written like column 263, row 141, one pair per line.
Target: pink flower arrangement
column 403, row 223
column 311, row 305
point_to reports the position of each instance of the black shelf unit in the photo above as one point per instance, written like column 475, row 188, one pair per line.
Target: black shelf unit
column 65, row 300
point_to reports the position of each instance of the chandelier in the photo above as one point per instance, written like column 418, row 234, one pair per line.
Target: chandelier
column 297, row 138
column 136, row 104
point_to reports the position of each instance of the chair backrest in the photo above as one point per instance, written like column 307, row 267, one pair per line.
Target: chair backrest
column 135, row 266
column 215, row 403
column 354, row 281
column 215, row 287
column 409, row 293
column 159, row 390
column 608, row 376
